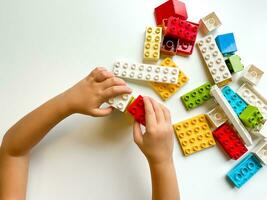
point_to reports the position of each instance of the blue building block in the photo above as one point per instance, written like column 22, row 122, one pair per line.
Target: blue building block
column 244, row 170
column 236, row 102
column 226, row 43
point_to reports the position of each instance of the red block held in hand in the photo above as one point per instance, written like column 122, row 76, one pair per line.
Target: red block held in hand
column 137, row 110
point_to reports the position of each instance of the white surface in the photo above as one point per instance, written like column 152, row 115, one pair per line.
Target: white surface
column 47, row 46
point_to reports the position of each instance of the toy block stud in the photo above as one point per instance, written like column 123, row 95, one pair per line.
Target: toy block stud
column 152, row 44
column 214, row 61
column 194, row 135
column 216, row 116
column 253, row 97
column 260, row 151
column 229, row 140
column 168, row 46
column 120, row 102
column 170, row 8
column 252, row 75
column 209, row 23
column 234, row 64
column 146, row 72
column 185, row 47
column 251, row 117
column 244, row 170
column 236, row 102
column 226, row 43
column 137, row 110
column 165, row 91
column 197, row 96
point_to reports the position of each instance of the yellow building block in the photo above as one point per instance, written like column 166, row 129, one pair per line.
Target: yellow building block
column 152, row 44
column 164, row 90
column 194, row 134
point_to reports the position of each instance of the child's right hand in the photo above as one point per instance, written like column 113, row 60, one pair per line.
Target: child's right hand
column 157, row 142
column 87, row 95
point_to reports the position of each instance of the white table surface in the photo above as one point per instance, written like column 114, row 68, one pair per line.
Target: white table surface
column 47, row 46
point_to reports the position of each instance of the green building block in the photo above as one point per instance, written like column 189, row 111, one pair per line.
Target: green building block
column 234, row 63
column 197, row 96
column 251, row 117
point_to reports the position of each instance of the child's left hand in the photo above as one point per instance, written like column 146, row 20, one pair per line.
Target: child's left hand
column 89, row 94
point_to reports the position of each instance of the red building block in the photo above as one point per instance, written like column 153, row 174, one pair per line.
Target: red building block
column 229, row 140
column 168, row 46
column 137, row 110
column 170, row 8
column 185, row 47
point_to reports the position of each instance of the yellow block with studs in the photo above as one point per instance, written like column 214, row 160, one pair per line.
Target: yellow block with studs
column 164, row 90
column 152, row 44
column 194, row 134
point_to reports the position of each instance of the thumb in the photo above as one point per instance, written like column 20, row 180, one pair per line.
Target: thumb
column 101, row 112
column 137, row 133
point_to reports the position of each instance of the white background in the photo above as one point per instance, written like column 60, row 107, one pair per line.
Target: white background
column 47, row 46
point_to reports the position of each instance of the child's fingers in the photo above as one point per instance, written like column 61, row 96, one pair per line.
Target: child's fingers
column 158, row 111
column 116, row 91
column 166, row 113
column 112, row 82
column 96, row 70
column 101, row 112
column 137, row 134
column 150, row 114
column 103, row 75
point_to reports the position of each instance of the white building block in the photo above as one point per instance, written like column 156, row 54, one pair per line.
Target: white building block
column 145, row 72
column 216, row 116
column 209, row 23
column 120, row 102
column 253, row 97
column 242, row 131
column 214, row 61
column 260, row 151
column 252, row 75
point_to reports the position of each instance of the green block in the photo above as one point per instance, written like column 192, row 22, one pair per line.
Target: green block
column 197, row 96
column 234, row 64
column 251, row 117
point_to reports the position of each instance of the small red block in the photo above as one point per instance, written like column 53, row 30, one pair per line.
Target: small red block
column 230, row 141
column 137, row 110
column 170, row 8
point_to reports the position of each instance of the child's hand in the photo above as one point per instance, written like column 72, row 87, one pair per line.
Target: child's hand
column 87, row 95
column 157, row 142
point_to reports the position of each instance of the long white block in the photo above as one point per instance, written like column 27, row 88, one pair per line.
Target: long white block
column 261, row 151
column 242, row 131
column 145, row 72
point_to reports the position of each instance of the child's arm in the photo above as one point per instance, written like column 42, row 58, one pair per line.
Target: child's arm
column 85, row 97
column 157, row 145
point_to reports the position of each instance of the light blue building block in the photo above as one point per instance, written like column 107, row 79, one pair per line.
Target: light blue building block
column 244, row 170
column 236, row 102
column 226, row 43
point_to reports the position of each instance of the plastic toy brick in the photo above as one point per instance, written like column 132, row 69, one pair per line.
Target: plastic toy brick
column 137, row 110
column 236, row 102
column 252, row 75
column 146, row 72
column 253, row 97
column 170, row 8
column 194, row 134
column 152, row 44
column 222, row 101
column 214, row 61
column 165, row 91
column 185, row 47
column 120, row 102
column 251, row 117
column 244, row 170
column 216, row 116
column 234, row 64
column 230, row 141
column 260, row 151
column 209, row 23
column 197, row 96
column 168, row 46
column 226, row 43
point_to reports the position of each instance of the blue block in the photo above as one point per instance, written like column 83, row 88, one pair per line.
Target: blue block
column 236, row 102
column 226, row 43
column 244, row 170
